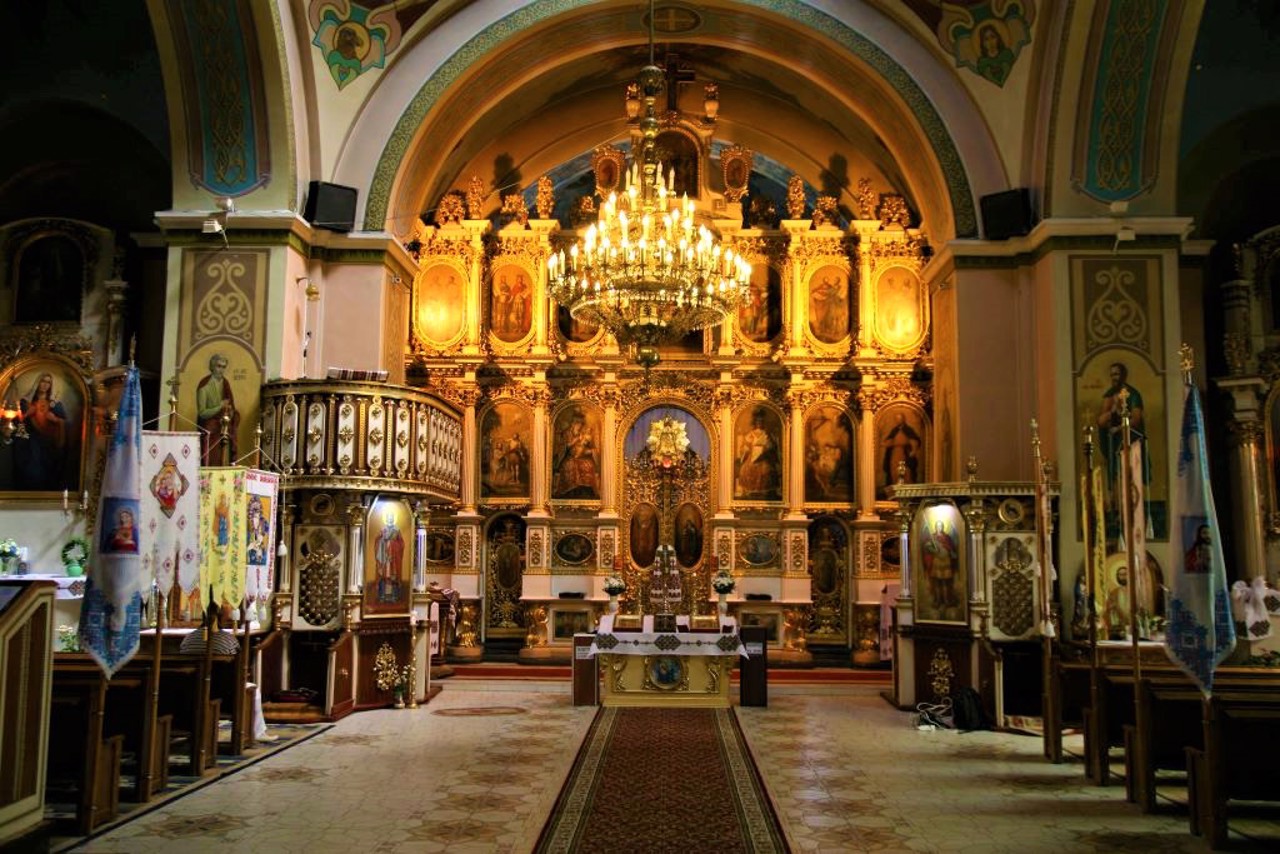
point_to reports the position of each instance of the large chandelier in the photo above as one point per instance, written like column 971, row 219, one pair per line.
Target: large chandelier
column 643, row 271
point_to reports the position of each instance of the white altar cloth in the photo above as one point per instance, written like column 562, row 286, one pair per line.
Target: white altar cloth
column 607, row 641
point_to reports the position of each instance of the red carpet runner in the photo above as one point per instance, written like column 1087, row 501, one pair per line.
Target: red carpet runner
column 663, row 780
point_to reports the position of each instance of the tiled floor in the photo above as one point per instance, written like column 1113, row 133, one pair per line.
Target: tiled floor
column 847, row 771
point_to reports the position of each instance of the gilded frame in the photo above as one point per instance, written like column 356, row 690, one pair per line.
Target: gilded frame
column 58, row 459
column 822, row 267
column 421, row 303
column 388, row 560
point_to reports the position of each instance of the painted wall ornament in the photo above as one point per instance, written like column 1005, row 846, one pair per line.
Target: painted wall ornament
column 985, row 37
column 352, row 37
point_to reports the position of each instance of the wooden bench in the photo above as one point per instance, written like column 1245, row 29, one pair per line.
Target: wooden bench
column 1238, row 760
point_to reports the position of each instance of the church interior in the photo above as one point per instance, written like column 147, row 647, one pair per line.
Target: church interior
column 506, row 371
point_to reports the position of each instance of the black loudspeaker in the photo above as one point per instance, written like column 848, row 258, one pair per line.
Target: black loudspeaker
column 330, row 206
column 1006, row 214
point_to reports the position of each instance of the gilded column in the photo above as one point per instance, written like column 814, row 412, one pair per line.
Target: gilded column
column 724, row 479
column 794, row 466
column 868, row 401
column 866, row 306
column 542, row 303
column 795, row 287
column 1247, row 433
column 538, row 487
column 469, row 396
column 475, row 291
column 610, row 397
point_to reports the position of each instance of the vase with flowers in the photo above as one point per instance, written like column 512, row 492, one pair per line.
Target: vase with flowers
column 613, row 588
column 723, row 584
column 9, row 555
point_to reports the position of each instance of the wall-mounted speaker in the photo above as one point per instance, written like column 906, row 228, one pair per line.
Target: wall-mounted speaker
column 330, row 206
column 1007, row 214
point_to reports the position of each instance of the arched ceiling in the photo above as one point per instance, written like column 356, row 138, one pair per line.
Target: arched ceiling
column 554, row 90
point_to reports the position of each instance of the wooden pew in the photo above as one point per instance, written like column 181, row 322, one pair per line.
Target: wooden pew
column 189, row 699
column 135, row 715
column 1238, row 760
column 1168, row 720
column 1072, row 696
column 79, row 704
column 1160, row 723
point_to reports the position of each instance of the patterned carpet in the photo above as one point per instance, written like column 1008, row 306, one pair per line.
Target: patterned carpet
column 663, row 780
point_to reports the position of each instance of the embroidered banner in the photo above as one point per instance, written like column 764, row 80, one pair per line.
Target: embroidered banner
column 111, row 615
column 171, row 510
column 1200, row 633
column 222, row 537
column 260, row 520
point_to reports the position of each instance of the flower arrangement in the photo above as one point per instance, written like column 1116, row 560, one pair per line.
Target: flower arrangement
column 68, row 639
column 9, row 548
column 614, row 586
column 74, row 555
column 723, row 582
column 389, row 675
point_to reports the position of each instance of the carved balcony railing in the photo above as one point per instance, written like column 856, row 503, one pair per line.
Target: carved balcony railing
column 342, row 434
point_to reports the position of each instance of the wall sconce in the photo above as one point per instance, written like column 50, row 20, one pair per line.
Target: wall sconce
column 12, row 426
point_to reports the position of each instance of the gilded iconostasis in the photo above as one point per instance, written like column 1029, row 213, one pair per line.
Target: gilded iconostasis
column 793, row 419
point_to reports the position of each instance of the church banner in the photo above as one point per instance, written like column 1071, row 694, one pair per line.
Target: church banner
column 1200, row 633
column 223, row 500
column 262, row 488
column 171, row 510
column 111, row 617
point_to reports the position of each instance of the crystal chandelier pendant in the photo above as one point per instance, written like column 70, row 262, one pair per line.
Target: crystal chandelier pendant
column 643, row 271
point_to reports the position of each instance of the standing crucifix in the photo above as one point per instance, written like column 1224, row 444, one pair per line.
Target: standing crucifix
column 676, row 74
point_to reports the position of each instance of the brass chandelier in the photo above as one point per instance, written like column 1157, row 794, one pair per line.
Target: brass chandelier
column 642, row 271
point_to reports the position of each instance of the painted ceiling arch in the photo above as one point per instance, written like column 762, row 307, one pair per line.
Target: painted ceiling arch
column 797, row 84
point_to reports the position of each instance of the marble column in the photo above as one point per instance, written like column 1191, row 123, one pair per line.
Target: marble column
column 975, row 515
column 420, row 517
column 355, row 546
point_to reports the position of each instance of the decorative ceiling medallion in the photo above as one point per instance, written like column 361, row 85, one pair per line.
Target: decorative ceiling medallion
column 670, row 18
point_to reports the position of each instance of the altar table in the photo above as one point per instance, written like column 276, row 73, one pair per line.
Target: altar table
column 682, row 668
